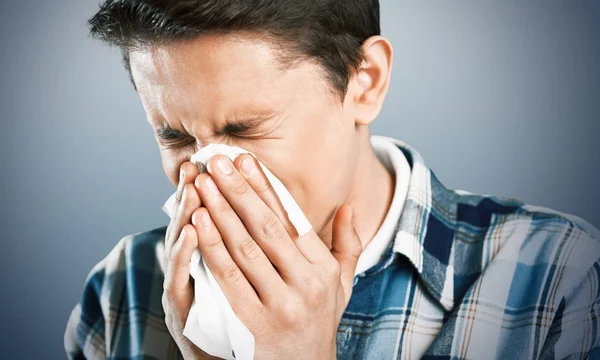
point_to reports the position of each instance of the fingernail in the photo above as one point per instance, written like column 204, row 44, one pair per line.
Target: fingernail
column 211, row 186
column 181, row 178
column 182, row 234
column 224, row 166
column 205, row 220
column 181, row 184
column 248, row 166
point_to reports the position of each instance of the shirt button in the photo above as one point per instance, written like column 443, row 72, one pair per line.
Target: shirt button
column 348, row 334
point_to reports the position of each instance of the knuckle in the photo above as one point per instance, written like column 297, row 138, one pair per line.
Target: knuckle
column 240, row 188
column 190, row 199
column 211, row 245
column 224, row 208
column 263, row 187
column 271, row 228
column 318, row 288
column 291, row 318
column 333, row 269
column 356, row 250
column 232, row 273
column 249, row 249
column 318, row 293
column 289, row 313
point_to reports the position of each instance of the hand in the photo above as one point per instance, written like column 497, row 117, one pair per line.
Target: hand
column 289, row 291
column 180, row 241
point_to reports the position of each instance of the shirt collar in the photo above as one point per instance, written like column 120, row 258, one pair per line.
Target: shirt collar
column 395, row 162
column 425, row 229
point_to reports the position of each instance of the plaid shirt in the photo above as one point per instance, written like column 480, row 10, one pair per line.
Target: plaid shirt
column 466, row 276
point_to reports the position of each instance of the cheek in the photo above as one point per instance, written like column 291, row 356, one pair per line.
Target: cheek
column 317, row 168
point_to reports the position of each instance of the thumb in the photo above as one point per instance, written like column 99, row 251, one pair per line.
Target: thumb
column 346, row 247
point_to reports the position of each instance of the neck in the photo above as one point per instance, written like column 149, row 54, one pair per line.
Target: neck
column 370, row 197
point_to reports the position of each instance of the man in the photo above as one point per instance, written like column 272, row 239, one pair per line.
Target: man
column 397, row 265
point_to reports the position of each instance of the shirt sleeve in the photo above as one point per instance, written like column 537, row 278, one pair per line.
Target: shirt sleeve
column 85, row 333
column 575, row 329
column 120, row 314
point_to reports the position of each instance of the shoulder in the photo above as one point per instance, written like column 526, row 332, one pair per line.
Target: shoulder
column 138, row 250
column 540, row 256
column 533, row 269
column 506, row 241
column 500, row 228
column 529, row 236
column 558, row 270
column 122, row 293
column 136, row 257
column 539, row 235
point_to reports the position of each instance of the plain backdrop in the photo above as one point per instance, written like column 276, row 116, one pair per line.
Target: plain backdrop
column 499, row 98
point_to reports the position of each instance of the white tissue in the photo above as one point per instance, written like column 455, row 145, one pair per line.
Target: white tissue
column 212, row 324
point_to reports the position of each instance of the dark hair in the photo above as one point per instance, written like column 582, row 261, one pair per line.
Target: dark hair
column 329, row 31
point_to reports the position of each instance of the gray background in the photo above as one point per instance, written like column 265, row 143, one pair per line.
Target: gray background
column 499, row 99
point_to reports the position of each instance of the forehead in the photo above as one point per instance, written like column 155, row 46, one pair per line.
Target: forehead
column 210, row 73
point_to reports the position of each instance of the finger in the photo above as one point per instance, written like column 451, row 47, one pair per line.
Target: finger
column 187, row 348
column 244, row 250
column 231, row 279
column 310, row 246
column 187, row 174
column 168, row 317
column 169, row 320
column 346, row 247
column 190, row 201
column 254, row 175
column 260, row 221
column 177, row 277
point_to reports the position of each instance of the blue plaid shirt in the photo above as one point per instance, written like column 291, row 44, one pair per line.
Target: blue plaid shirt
column 465, row 277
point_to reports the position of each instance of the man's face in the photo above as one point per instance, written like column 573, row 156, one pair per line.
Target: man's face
column 297, row 126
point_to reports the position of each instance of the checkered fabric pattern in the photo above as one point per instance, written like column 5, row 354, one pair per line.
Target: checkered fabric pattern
column 466, row 277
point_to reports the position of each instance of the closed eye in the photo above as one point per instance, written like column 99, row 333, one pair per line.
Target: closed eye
column 245, row 126
column 171, row 138
column 235, row 129
column 242, row 128
column 168, row 133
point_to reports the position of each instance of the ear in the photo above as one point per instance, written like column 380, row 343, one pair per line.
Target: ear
column 369, row 84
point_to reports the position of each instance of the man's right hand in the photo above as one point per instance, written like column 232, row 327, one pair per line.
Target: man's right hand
column 180, row 241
